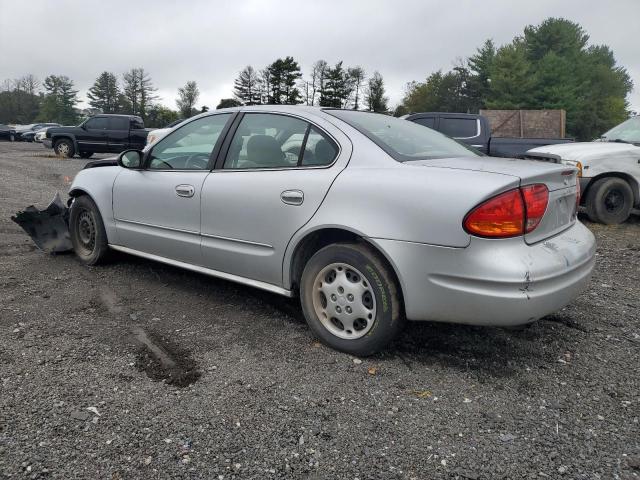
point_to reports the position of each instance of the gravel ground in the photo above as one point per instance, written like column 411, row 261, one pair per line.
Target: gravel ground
column 246, row 392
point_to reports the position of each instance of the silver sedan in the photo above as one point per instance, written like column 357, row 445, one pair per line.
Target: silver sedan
column 369, row 219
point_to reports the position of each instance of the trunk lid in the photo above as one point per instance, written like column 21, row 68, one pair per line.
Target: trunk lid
column 560, row 180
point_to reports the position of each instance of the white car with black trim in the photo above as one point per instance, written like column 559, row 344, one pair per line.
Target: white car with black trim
column 609, row 170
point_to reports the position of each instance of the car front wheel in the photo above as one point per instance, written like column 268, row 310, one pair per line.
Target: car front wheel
column 64, row 148
column 609, row 201
column 350, row 299
column 87, row 232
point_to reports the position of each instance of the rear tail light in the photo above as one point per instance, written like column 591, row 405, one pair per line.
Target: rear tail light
column 509, row 214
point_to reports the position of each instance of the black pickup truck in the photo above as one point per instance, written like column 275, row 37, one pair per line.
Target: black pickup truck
column 474, row 130
column 98, row 134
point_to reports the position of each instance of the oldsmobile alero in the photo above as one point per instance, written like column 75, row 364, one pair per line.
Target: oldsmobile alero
column 371, row 220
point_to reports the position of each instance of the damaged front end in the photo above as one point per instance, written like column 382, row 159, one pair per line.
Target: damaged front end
column 48, row 228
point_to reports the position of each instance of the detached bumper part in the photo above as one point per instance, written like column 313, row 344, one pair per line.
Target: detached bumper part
column 48, row 228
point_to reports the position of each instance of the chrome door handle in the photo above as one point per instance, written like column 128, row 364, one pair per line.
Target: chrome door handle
column 185, row 190
column 292, row 197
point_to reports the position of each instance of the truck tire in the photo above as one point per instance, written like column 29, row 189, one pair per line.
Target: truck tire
column 86, row 154
column 64, row 148
column 87, row 232
column 609, row 201
column 350, row 299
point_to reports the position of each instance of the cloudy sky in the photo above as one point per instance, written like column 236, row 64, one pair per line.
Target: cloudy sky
column 210, row 41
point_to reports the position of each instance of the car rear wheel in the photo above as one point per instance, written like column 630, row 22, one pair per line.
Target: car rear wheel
column 350, row 299
column 64, row 148
column 87, row 232
column 609, row 201
column 86, row 154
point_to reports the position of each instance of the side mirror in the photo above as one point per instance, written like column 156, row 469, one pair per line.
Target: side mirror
column 131, row 159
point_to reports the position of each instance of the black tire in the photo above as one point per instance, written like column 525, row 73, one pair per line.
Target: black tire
column 609, row 201
column 86, row 228
column 86, row 154
column 64, row 148
column 380, row 329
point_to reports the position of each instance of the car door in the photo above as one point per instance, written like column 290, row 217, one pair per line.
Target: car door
column 263, row 190
column 157, row 208
column 94, row 135
column 118, row 134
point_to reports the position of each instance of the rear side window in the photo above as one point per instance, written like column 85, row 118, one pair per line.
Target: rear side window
column 97, row 123
column 459, row 127
column 118, row 123
column 266, row 140
column 427, row 121
column 319, row 150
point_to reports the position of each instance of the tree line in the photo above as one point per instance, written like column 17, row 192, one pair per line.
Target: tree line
column 26, row 100
column 282, row 83
column 549, row 66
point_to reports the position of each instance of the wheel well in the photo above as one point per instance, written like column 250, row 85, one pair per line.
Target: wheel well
column 318, row 239
column 55, row 140
column 633, row 183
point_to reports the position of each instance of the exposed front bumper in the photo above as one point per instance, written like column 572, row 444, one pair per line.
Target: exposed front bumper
column 492, row 282
column 47, row 143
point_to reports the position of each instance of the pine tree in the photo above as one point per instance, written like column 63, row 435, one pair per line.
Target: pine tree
column 248, row 86
column 187, row 98
column 480, row 66
column 59, row 101
column 356, row 79
column 138, row 91
column 375, row 95
column 282, row 76
column 105, row 93
column 337, row 87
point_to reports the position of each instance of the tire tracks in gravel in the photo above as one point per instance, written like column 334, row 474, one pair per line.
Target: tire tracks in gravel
column 159, row 357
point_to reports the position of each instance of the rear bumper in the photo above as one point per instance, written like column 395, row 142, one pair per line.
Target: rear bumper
column 492, row 282
column 47, row 143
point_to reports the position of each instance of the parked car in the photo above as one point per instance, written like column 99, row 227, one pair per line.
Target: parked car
column 7, row 133
column 29, row 135
column 381, row 221
column 40, row 135
column 158, row 133
column 98, row 134
column 609, row 170
column 474, row 130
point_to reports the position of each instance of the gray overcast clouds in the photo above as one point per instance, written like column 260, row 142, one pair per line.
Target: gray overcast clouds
column 210, row 41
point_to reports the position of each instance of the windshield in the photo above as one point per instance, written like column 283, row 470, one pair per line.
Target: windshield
column 403, row 140
column 628, row 131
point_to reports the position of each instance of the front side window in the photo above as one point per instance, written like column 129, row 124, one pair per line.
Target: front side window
column 266, row 140
column 401, row 139
column 189, row 147
column 97, row 123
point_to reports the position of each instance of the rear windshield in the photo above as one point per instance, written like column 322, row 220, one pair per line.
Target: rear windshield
column 403, row 140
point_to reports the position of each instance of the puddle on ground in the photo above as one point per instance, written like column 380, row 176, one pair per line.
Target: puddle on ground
column 161, row 360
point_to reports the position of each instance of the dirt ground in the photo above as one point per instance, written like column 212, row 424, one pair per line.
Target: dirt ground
column 247, row 392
